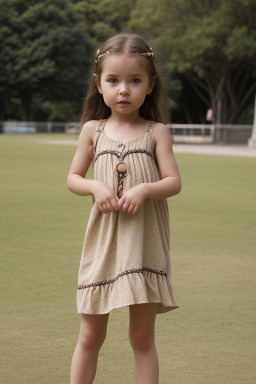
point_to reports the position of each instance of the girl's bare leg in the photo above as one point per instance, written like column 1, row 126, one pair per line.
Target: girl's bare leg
column 142, row 339
column 91, row 337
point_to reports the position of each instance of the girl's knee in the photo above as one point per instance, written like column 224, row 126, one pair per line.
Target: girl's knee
column 92, row 331
column 91, row 339
column 141, row 339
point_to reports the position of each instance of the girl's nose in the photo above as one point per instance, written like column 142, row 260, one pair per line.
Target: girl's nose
column 124, row 90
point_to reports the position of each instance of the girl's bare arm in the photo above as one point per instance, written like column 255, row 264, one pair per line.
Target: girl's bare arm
column 76, row 181
column 170, row 183
column 104, row 196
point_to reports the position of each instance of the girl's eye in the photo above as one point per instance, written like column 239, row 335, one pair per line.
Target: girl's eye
column 112, row 81
column 135, row 81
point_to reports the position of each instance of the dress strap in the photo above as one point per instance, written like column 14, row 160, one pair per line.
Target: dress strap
column 149, row 126
column 99, row 129
column 100, row 125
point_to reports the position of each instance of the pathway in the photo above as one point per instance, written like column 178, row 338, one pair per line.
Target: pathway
column 203, row 149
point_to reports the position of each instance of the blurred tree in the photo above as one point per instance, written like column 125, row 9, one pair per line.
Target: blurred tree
column 205, row 50
column 104, row 18
column 52, row 111
column 116, row 13
column 43, row 51
column 211, row 45
column 89, row 12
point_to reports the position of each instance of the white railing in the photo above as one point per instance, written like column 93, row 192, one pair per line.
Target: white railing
column 181, row 133
column 20, row 127
column 192, row 133
column 206, row 133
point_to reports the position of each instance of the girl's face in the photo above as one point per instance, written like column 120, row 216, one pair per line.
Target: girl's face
column 124, row 83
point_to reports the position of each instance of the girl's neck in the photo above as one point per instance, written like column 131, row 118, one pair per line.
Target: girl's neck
column 133, row 119
column 124, row 129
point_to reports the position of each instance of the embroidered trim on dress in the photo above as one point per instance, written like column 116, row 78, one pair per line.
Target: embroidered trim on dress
column 122, row 157
column 105, row 153
column 129, row 272
column 149, row 128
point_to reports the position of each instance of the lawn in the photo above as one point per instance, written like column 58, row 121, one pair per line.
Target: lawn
column 210, row 339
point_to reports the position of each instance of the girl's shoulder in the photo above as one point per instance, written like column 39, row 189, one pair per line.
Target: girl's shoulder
column 89, row 129
column 161, row 132
column 90, row 125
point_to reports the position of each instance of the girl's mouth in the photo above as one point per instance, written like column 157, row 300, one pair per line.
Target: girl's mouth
column 123, row 102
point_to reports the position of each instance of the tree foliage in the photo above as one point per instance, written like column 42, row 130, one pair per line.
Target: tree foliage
column 103, row 18
column 211, row 45
column 43, row 50
column 205, row 49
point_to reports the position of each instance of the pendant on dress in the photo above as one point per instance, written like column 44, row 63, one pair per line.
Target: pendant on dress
column 121, row 169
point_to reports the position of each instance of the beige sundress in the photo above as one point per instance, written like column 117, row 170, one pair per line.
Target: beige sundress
column 125, row 258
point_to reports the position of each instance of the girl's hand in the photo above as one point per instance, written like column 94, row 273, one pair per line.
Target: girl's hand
column 104, row 197
column 132, row 200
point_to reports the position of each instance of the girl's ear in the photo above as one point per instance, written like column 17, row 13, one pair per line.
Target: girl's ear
column 97, row 82
column 152, row 83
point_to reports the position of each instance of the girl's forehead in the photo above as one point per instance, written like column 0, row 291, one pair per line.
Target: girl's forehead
column 124, row 63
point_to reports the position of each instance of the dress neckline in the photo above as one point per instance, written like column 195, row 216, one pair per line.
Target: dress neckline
column 146, row 129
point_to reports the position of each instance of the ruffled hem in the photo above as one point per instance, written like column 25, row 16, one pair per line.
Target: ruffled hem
column 128, row 289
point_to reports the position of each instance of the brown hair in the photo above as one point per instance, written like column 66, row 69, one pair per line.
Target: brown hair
column 155, row 104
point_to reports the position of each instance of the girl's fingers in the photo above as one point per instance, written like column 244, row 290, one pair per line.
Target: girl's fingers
column 109, row 206
column 128, row 206
column 121, row 203
column 130, row 209
column 103, row 208
column 125, row 205
column 136, row 208
column 125, row 208
column 106, row 199
column 114, row 205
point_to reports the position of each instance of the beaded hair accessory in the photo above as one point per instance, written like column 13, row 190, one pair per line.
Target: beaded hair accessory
column 149, row 54
column 98, row 56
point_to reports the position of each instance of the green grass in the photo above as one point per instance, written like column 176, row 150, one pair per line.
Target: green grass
column 210, row 339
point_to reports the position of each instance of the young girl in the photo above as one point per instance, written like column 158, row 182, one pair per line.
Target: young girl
column 125, row 258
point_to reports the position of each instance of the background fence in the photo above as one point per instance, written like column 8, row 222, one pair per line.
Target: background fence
column 181, row 133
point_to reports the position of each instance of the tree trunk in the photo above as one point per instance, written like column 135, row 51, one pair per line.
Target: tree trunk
column 230, row 90
column 25, row 107
column 2, row 111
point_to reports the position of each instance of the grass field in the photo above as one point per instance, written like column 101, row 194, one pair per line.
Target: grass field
column 210, row 339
